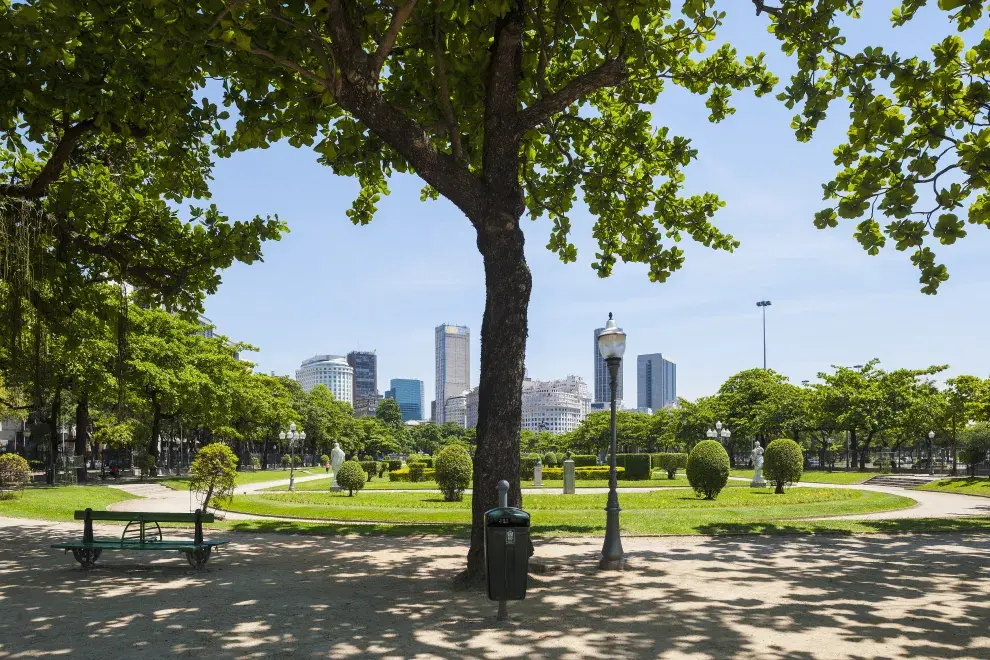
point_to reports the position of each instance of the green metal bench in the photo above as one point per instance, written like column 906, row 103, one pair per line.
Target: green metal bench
column 142, row 532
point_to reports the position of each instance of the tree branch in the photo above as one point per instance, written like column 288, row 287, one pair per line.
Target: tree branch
column 453, row 127
column 611, row 73
column 56, row 162
column 762, row 7
column 378, row 59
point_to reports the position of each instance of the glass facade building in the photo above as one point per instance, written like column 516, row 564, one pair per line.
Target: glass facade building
column 656, row 382
column 365, row 389
column 408, row 393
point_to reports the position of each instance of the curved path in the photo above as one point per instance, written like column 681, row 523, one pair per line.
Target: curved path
column 930, row 504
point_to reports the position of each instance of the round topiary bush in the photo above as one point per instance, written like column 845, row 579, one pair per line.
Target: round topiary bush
column 14, row 474
column 453, row 472
column 783, row 463
column 351, row 476
column 550, row 459
column 708, row 468
column 324, row 460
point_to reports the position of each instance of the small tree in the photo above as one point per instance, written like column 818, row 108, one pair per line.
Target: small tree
column 974, row 442
column 285, row 460
column 14, row 475
column 708, row 469
column 453, row 472
column 351, row 476
column 783, row 463
column 550, row 459
column 214, row 472
column 671, row 463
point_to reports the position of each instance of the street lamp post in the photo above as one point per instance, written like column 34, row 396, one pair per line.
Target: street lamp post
column 611, row 345
column 763, row 304
column 292, row 436
column 931, row 460
column 719, row 433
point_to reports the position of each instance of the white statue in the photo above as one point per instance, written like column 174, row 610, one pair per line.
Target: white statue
column 757, row 454
column 336, row 460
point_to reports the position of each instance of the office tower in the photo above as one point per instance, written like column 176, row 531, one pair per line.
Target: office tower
column 453, row 364
column 557, row 406
column 330, row 370
column 656, row 382
column 602, row 394
column 408, row 393
column 365, row 390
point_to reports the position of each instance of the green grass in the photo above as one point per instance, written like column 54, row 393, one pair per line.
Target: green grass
column 820, row 477
column 59, row 503
column 384, row 484
column 657, row 512
column 244, row 478
column 961, row 485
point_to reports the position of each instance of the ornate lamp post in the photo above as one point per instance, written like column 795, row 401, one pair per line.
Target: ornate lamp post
column 292, row 436
column 611, row 345
column 931, row 460
column 718, row 433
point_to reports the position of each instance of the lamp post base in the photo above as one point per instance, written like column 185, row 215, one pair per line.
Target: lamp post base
column 606, row 564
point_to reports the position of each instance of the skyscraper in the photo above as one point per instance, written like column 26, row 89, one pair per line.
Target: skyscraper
column 602, row 394
column 453, row 364
column 365, row 392
column 408, row 393
column 330, row 370
column 656, row 382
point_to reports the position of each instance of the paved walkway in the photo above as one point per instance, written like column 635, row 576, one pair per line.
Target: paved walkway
column 930, row 504
column 681, row 598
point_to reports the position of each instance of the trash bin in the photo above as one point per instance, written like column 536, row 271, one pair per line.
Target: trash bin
column 507, row 551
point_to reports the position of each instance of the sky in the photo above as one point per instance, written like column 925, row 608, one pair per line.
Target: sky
column 332, row 287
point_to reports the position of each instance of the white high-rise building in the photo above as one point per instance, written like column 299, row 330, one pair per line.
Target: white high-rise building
column 455, row 410
column 330, row 370
column 656, row 382
column 453, row 365
column 557, row 406
column 472, row 408
column 602, row 393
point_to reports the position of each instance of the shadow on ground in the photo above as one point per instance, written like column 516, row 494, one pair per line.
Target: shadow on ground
column 272, row 595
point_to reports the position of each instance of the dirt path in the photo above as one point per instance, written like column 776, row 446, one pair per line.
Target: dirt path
column 283, row 596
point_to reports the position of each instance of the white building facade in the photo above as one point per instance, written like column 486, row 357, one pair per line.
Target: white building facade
column 656, row 382
column 557, row 406
column 455, row 410
column 330, row 370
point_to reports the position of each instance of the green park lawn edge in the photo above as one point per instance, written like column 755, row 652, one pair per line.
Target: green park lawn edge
column 244, row 478
column 383, row 483
column 976, row 486
column 648, row 513
column 821, row 477
column 59, row 503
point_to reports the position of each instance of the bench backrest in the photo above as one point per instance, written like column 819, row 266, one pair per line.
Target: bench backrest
column 144, row 516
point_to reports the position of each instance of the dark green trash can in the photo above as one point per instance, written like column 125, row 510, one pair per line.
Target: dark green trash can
column 507, row 551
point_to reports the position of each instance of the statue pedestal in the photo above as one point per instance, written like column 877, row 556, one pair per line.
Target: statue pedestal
column 568, row 477
column 758, row 481
column 334, row 486
column 538, row 475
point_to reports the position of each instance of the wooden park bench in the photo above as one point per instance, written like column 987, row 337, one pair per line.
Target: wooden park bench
column 142, row 532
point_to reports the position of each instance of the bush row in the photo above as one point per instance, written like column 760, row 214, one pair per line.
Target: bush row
column 585, row 473
column 415, row 472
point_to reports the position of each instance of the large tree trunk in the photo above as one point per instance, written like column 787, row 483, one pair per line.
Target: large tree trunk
column 156, row 431
column 53, row 436
column 82, row 435
column 853, row 445
column 508, row 283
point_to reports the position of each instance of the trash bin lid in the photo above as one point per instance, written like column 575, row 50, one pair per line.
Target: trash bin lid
column 506, row 517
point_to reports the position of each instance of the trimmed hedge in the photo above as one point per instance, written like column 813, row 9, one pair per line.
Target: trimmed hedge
column 351, row 476
column 585, row 473
column 453, row 472
column 394, row 464
column 637, row 465
column 708, row 468
column 584, row 460
column 370, row 468
column 783, row 463
column 669, row 462
column 406, row 473
column 419, row 458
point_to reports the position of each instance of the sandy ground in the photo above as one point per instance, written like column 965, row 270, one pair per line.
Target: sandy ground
column 275, row 596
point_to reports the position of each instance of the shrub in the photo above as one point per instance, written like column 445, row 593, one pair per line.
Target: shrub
column 14, row 474
column 416, row 471
column 285, row 460
column 427, row 461
column 324, row 460
column 527, row 465
column 147, row 463
column 708, row 468
column 453, row 472
column 382, row 468
column 637, row 465
column 370, row 468
column 597, row 472
column 213, row 474
column 884, row 466
column 783, row 463
column 404, row 475
column 550, row 460
column 255, row 462
column 297, row 461
column 669, row 462
column 350, row 475
column 584, row 460
column 394, row 464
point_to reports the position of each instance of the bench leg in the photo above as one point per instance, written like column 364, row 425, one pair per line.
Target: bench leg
column 198, row 558
column 87, row 556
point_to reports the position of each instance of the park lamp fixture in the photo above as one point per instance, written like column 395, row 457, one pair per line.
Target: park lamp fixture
column 292, row 436
column 611, row 345
column 611, row 341
column 718, row 433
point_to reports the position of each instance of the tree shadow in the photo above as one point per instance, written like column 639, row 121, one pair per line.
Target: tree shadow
column 373, row 596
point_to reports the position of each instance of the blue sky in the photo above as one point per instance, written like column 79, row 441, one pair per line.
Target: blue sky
column 331, row 287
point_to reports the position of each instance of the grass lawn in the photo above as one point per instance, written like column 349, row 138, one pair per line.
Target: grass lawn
column 961, row 485
column 59, row 503
column 384, row 484
column 819, row 477
column 657, row 512
column 244, row 478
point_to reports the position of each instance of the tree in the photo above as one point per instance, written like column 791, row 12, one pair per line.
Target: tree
column 351, row 476
column 214, row 473
column 708, row 469
column 594, row 434
column 757, row 404
column 388, row 413
column 783, row 463
column 975, row 443
column 453, row 471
